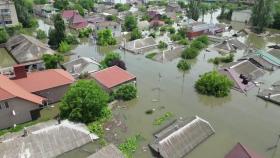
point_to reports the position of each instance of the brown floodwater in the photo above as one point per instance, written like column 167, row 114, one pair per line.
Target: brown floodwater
column 236, row 118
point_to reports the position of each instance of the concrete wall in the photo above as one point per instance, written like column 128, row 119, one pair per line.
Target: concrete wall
column 53, row 95
column 22, row 110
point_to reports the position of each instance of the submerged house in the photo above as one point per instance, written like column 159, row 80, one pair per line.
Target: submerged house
column 74, row 19
column 113, row 77
column 140, row 46
column 109, row 151
column 111, row 25
column 181, row 137
column 240, row 151
column 23, row 96
column 230, row 45
column 46, row 140
column 27, row 49
column 243, row 74
column 81, row 65
column 272, row 94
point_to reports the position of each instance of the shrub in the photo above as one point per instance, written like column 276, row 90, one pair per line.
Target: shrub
column 226, row 59
column 119, row 63
column 109, row 58
column 84, row 102
column 129, row 146
column 151, row 55
column 3, row 36
column 184, row 42
column 190, row 53
column 111, row 17
column 162, row 118
column 183, row 65
column 203, row 39
column 197, row 44
column 162, row 45
column 64, row 47
column 176, row 37
column 96, row 128
column 71, row 39
column 152, row 35
column 122, row 7
column 85, row 32
column 40, row 34
column 51, row 61
column 171, row 30
column 213, row 83
column 135, row 34
column 126, row 92
column 105, row 38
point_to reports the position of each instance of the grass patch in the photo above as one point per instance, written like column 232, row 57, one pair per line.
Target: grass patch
column 151, row 55
column 163, row 118
column 129, row 146
column 46, row 114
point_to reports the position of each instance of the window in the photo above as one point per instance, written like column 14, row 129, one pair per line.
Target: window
column 115, row 27
column 8, row 22
column 6, row 105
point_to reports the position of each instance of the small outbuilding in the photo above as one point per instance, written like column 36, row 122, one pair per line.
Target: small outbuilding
column 113, row 77
column 140, row 46
column 181, row 137
column 271, row 94
column 109, row 151
column 240, row 151
column 230, row 45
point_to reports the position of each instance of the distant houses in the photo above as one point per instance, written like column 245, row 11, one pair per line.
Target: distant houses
column 196, row 29
column 74, row 19
column 113, row 77
column 181, row 137
column 22, row 96
column 111, row 25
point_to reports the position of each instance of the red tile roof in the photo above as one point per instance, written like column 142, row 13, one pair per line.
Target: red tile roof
column 240, row 151
column 9, row 89
column 67, row 14
column 78, row 22
column 42, row 80
column 112, row 77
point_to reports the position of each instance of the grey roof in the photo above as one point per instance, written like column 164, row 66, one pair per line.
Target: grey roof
column 272, row 94
column 181, row 137
column 26, row 48
column 275, row 53
column 46, row 141
column 81, row 65
column 110, row 151
column 140, row 45
column 230, row 45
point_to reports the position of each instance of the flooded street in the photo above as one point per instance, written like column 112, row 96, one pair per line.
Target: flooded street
column 236, row 118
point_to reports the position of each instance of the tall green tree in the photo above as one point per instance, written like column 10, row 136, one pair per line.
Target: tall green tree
column 204, row 8
column 262, row 14
column 87, row 4
column 3, row 35
column 130, row 23
column 57, row 34
column 84, row 102
column 105, row 38
column 193, row 9
column 24, row 17
column 276, row 16
column 135, row 34
column 61, row 4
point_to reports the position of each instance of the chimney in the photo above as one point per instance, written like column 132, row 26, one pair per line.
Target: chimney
column 19, row 71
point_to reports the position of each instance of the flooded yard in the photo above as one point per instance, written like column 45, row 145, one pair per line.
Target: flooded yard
column 236, row 118
column 5, row 59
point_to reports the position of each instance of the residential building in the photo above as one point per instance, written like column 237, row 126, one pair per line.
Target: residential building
column 181, row 137
column 111, row 25
column 109, row 151
column 81, row 65
column 173, row 7
column 230, row 45
column 8, row 14
column 45, row 10
column 46, row 140
column 26, row 49
column 140, row 46
column 240, row 151
column 74, row 19
column 22, row 96
column 113, row 77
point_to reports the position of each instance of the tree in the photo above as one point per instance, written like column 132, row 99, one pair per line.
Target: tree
column 24, row 16
column 276, row 16
column 51, row 61
column 190, row 53
column 135, row 34
column 3, row 36
column 119, row 63
column 61, row 4
column 40, row 1
column 64, row 47
column 183, row 66
column 40, row 34
column 105, row 38
column 130, row 23
column 126, row 92
column 262, row 14
column 111, row 17
column 84, row 102
column 80, row 9
column 57, row 34
column 193, row 9
column 109, row 58
column 87, row 4
column 204, row 8
column 122, row 7
column 214, row 84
